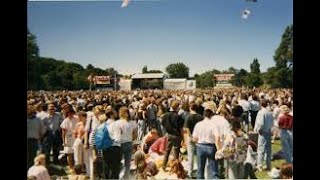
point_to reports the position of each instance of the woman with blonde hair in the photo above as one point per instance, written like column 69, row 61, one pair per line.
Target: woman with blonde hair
column 39, row 170
column 128, row 131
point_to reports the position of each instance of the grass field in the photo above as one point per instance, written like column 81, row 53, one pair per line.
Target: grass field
column 260, row 175
column 276, row 163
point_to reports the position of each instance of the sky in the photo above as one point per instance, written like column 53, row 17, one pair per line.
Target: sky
column 203, row 34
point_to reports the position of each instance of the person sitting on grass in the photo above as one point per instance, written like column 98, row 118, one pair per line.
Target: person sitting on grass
column 286, row 171
column 144, row 170
column 39, row 170
column 77, row 175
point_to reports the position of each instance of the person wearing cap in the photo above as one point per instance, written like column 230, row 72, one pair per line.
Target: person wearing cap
column 263, row 126
column 52, row 139
column 173, row 123
column 286, row 133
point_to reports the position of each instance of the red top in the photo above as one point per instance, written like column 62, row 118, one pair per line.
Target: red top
column 286, row 122
column 159, row 146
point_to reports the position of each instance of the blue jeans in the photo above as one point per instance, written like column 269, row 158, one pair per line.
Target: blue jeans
column 286, row 137
column 126, row 151
column 191, row 149
column 207, row 152
column 264, row 147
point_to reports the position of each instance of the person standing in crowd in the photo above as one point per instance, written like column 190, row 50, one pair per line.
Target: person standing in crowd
column 264, row 123
column 236, row 113
column 68, row 126
column 128, row 131
column 206, row 137
column 224, row 130
column 275, row 112
column 141, row 119
column 112, row 155
column 189, row 125
column 41, row 111
column 244, row 103
column 200, row 108
column 80, row 154
column 236, row 161
column 173, row 123
column 286, row 133
column 39, row 169
column 254, row 108
column 91, row 124
column 35, row 131
column 161, row 112
column 52, row 139
column 152, row 114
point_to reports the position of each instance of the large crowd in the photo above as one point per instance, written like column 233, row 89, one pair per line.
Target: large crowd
column 225, row 133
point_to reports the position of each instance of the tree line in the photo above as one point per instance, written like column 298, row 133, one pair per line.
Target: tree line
column 50, row 74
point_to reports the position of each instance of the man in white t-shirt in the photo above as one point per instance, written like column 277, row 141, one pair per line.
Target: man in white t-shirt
column 206, row 137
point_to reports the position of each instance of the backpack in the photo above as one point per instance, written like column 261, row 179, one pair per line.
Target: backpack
column 102, row 138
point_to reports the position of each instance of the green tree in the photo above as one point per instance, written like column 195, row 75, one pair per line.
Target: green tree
column 144, row 69
column 155, row 71
column 284, row 53
column 177, row 70
column 254, row 77
column 206, row 79
column 281, row 76
column 255, row 66
column 111, row 71
column 32, row 47
column 52, row 81
column 33, row 67
column 239, row 79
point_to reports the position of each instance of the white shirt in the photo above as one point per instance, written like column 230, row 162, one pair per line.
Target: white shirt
column 244, row 104
column 40, row 172
column 126, row 128
column 205, row 131
column 41, row 115
column 114, row 132
column 69, row 124
column 254, row 105
column 222, row 125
